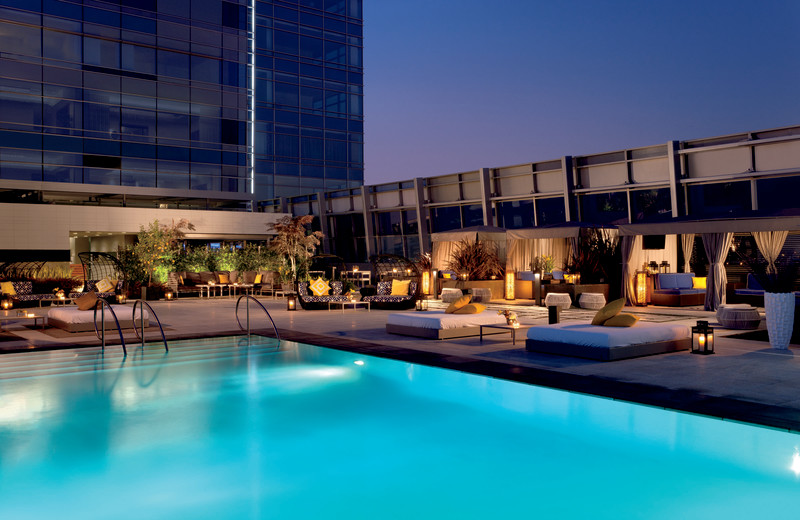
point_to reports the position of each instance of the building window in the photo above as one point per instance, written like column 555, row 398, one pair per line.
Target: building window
column 778, row 195
column 651, row 205
column 550, row 211
column 604, row 208
column 515, row 214
column 722, row 199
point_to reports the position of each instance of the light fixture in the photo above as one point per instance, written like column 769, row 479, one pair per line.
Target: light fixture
column 702, row 338
column 510, row 279
column 640, row 288
column 355, row 268
column 291, row 302
column 421, row 305
column 435, row 276
column 537, row 288
column 426, row 282
column 168, row 294
column 121, row 298
column 7, row 303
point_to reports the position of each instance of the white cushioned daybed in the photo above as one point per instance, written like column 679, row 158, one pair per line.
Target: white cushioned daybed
column 439, row 325
column 72, row 319
column 607, row 343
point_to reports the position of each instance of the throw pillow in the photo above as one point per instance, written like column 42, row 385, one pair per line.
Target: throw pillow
column 257, row 279
column 8, row 288
column 87, row 301
column 621, row 320
column 609, row 311
column 319, row 287
column 400, row 287
column 223, row 278
column 471, row 308
column 464, row 300
column 698, row 282
column 104, row 285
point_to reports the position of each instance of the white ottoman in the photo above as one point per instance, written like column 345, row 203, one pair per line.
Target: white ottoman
column 451, row 295
column 738, row 316
column 481, row 294
column 590, row 300
column 562, row 300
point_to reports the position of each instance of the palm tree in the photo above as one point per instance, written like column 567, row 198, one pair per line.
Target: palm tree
column 293, row 240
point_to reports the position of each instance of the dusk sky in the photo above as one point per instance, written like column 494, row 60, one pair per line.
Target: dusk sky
column 454, row 86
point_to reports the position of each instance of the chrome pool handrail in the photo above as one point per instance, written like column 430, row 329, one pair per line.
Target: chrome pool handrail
column 249, row 297
column 136, row 330
column 102, row 337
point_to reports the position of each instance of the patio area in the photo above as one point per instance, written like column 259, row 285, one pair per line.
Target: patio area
column 746, row 380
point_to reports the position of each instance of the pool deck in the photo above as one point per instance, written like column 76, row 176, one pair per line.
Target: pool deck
column 745, row 381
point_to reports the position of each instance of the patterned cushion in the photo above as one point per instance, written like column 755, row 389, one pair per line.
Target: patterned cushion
column 104, row 285
column 319, row 287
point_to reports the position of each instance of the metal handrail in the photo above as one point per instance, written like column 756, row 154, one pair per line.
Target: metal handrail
column 102, row 337
column 249, row 297
column 136, row 330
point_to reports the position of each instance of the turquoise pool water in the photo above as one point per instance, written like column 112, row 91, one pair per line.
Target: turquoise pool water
column 218, row 429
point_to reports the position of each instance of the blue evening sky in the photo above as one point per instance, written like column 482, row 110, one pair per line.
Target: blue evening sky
column 457, row 85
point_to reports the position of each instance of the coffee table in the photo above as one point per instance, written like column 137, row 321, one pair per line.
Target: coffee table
column 513, row 330
column 345, row 304
column 14, row 317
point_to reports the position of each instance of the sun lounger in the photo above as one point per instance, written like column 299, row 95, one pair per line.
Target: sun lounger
column 607, row 343
column 439, row 325
column 72, row 319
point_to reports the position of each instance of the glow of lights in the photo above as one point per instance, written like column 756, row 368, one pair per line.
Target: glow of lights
column 510, row 278
column 252, row 97
column 426, row 282
column 361, row 363
column 795, row 463
column 641, row 288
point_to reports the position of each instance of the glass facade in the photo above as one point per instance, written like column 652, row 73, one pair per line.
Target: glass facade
column 178, row 94
column 309, row 118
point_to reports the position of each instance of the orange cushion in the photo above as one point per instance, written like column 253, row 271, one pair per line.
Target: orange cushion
column 470, row 308
column 621, row 320
column 698, row 282
column 609, row 311
column 87, row 301
column 464, row 300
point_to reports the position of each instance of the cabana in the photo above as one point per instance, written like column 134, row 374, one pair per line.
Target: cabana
column 444, row 243
column 557, row 241
column 717, row 234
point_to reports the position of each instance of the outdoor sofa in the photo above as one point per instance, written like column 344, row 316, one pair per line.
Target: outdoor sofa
column 383, row 298
column 676, row 290
column 310, row 302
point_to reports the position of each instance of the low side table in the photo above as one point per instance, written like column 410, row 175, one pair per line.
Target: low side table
column 513, row 330
column 355, row 305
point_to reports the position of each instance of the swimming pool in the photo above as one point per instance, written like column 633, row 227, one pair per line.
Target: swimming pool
column 219, row 429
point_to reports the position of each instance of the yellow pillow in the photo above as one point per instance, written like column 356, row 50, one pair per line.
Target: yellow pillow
column 609, row 311
column 400, row 287
column 257, row 278
column 472, row 308
column 223, row 278
column 319, row 287
column 7, row 288
column 104, row 285
column 698, row 282
column 87, row 301
column 621, row 320
column 464, row 300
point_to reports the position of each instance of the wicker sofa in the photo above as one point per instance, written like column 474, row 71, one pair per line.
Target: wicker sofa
column 383, row 298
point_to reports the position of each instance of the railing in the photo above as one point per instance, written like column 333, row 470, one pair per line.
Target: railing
column 102, row 337
column 248, row 298
column 142, row 303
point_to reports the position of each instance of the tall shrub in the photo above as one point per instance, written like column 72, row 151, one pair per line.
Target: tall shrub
column 478, row 259
column 294, row 241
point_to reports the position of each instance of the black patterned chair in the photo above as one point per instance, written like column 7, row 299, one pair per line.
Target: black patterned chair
column 383, row 298
column 24, row 293
column 310, row 302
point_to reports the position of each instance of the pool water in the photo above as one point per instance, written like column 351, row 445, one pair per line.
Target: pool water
column 220, row 428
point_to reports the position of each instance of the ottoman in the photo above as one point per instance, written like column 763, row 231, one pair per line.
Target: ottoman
column 562, row 300
column 590, row 300
column 738, row 316
column 451, row 295
column 481, row 294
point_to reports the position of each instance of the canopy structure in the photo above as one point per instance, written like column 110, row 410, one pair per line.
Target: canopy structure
column 445, row 242
column 556, row 241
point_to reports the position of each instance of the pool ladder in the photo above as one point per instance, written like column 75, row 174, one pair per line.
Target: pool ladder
column 248, row 298
column 101, row 333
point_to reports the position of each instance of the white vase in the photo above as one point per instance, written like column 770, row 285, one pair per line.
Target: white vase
column 779, row 308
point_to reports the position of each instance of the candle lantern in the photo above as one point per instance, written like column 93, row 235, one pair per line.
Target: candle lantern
column 291, row 302
column 168, row 294
column 7, row 303
column 702, row 338
column 664, row 266
column 422, row 305
column 121, row 298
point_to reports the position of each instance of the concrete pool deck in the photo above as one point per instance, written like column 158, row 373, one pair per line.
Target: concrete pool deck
column 745, row 381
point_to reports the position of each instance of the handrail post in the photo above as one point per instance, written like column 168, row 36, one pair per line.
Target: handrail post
column 249, row 297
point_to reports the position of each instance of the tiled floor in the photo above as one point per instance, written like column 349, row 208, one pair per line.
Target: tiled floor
column 745, row 380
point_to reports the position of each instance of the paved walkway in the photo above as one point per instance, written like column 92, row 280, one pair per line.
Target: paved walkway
column 745, row 380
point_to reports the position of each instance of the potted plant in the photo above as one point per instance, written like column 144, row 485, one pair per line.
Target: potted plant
column 778, row 281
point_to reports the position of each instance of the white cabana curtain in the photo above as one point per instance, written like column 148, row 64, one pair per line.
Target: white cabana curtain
column 717, row 246
column 641, row 256
column 627, row 244
column 441, row 253
column 770, row 244
column 521, row 252
column 687, row 242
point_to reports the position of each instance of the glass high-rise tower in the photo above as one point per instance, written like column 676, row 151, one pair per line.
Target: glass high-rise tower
column 196, row 104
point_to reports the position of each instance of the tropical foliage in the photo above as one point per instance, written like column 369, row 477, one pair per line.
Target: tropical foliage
column 479, row 260
column 157, row 247
column 294, row 242
column 598, row 259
